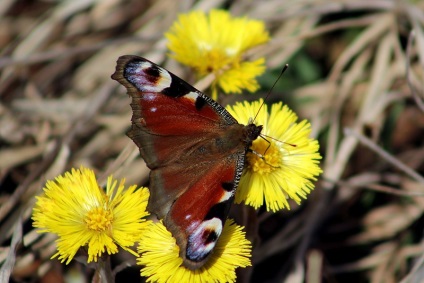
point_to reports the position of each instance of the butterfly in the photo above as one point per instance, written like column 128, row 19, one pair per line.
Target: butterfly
column 195, row 150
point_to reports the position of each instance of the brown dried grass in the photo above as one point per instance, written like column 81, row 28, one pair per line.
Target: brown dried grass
column 60, row 109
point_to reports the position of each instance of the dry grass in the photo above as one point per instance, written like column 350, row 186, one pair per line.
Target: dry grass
column 60, row 109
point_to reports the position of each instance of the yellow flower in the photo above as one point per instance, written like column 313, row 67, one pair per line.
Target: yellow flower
column 160, row 256
column 82, row 214
column 216, row 43
column 290, row 159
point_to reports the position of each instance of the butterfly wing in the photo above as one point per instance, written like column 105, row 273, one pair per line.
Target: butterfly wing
column 194, row 148
column 196, row 218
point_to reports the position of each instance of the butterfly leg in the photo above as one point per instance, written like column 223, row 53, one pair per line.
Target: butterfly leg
column 262, row 156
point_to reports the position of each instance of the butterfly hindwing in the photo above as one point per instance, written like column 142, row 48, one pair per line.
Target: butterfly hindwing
column 194, row 148
column 203, row 208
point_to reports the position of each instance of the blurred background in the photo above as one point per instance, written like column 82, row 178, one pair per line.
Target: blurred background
column 356, row 73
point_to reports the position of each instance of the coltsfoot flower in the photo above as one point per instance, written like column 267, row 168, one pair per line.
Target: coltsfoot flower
column 285, row 162
column 83, row 215
column 159, row 254
column 217, row 43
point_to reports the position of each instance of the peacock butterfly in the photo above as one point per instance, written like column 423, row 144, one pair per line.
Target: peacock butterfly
column 195, row 149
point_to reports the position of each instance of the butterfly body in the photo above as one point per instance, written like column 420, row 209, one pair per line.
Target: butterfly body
column 195, row 150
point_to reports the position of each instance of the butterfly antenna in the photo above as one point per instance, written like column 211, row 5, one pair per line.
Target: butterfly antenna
column 269, row 92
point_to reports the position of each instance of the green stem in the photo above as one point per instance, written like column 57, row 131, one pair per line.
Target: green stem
column 103, row 272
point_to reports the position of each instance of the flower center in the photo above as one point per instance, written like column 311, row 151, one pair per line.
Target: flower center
column 98, row 219
column 218, row 61
column 270, row 161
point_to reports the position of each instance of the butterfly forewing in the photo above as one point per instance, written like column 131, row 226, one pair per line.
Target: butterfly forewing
column 194, row 148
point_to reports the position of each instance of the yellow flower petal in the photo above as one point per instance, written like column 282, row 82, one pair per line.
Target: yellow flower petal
column 242, row 77
column 289, row 165
column 216, row 43
column 160, row 256
column 81, row 214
